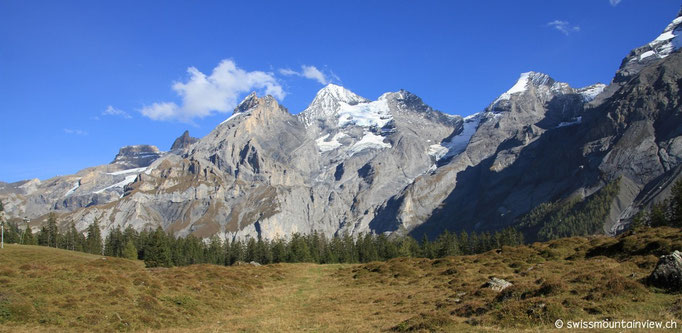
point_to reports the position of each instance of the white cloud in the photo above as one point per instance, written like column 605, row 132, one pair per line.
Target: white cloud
column 112, row 111
column 204, row 95
column 289, row 72
column 309, row 72
column 75, row 131
column 564, row 26
column 614, row 2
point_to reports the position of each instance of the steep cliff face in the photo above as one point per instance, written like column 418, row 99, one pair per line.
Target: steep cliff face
column 265, row 171
column 632, row 136
column 496, row 137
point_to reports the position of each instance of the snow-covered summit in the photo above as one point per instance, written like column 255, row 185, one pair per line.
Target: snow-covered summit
column 332, row 92
column 543, row 87
column 328, row 102
column 667, row 42
column 662, row 46
column 522, row 84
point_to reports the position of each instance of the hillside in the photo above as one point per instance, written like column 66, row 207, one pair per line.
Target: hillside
column 578, row 278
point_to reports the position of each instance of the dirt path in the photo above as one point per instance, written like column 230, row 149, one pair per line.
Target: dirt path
column 310, row 298
column 284, row 305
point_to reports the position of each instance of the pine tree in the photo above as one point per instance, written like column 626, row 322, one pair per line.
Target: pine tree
column 366, row 248
column 250, row 250
column 28, row 238
column 427, row 249
column 93, row 242
column 191, row 250
column 130, row 251
column 236, row 252
column 114, row 243
column 52, row 231
column 348, row 252
column 157, row 252
column 447, row 244
column 407, row 247
column 279, row 251
column 657, row 216
column 676, row 204
column 298, row 249
column 263, row 252
column 215, row 252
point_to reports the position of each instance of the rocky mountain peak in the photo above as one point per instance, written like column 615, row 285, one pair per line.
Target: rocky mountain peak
column 247, row 103
column 183, row 141
column 262, row 107
column 405, row 100
column 401, row 94
column 327, row 103
column 542, row 86
column 137, row 156
column 662, row 46
column 525, row 80
column 334, row 93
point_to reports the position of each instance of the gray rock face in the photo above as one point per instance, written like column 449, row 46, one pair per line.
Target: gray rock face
column 137, row 156
column 265, row 171
column 89, row 187
column 183, row 141
column 547, row 142
column 535, row 105
column 668, row 272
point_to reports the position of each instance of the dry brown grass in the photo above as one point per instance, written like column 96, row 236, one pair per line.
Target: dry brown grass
column 570, row 279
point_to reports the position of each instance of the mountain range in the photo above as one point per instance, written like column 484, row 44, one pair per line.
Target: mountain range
column 347, row 164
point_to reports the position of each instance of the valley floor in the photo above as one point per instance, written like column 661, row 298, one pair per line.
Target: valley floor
column 597, row 278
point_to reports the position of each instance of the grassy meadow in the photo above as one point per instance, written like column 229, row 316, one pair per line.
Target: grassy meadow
column 581, row 278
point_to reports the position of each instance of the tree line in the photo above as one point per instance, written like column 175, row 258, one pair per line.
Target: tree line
column 664, row 213
column 571, row 217
column 158, row 248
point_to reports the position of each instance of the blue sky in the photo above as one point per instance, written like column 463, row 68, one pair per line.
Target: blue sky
column 79, row 79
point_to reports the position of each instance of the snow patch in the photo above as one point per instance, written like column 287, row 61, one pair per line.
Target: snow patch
column 327, row 103
column 525, row 79
column 459, row 142
column 591, row 92
column 519, row 86
column 365, row 114
column 332, row 144
column 129, row 179
column 123, row 172
column 74, row 188
column 369, row 141
column 437, row 151
column 666, row 43
column 234, row 115
column 646, row 55
column 576, row 121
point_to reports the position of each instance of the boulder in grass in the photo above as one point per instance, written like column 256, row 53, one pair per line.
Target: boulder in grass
column 498, row 284
column 668, row 272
